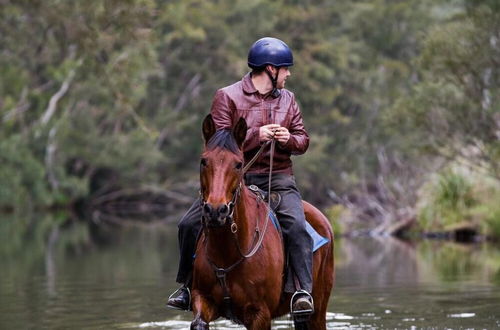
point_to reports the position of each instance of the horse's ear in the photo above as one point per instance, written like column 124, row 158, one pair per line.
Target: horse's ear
column 208, row 128
column 240, row 131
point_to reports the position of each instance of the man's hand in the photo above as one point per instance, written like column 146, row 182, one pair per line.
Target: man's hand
column 267, row 132
column 282, row 135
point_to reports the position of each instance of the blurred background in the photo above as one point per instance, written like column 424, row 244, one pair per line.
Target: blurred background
column 101, row 104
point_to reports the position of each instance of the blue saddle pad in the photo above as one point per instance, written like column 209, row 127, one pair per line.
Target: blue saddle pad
column 318, row 240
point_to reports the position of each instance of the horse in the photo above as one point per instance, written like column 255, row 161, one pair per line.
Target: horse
column 238, row 270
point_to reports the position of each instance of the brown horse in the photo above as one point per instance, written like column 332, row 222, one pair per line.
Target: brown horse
column 239, row 264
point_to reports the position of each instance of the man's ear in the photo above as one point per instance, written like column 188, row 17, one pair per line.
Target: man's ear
column 208, row 128
column 271, row 68
column 240, row 131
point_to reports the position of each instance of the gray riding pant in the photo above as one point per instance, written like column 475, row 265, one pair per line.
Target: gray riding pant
column 290, row 215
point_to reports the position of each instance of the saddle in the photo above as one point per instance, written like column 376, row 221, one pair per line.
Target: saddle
column 275, row 198
column 318, row 240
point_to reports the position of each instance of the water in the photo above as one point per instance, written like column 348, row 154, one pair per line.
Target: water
column 76, row 276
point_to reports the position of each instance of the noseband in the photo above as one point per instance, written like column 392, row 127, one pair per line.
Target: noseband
column 231, row 206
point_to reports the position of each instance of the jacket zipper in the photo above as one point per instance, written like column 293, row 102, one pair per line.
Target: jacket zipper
column 268, row 117
column 267, row 120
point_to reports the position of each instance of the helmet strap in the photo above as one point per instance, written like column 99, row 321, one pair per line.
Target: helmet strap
column 274, row 80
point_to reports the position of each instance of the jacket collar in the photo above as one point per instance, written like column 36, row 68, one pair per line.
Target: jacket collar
column 248, row 86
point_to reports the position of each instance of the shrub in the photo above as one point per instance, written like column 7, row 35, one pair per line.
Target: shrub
column 446, row 201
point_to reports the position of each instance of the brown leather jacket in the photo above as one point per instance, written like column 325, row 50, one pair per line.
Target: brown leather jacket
column 243, row 100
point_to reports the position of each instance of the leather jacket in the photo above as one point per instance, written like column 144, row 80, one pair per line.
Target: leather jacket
column 242, row 99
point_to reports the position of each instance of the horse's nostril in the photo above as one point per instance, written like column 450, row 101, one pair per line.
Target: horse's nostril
column 214, row 215
column 207, row 209
column 224, row 210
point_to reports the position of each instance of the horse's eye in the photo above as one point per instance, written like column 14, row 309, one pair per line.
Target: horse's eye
column 203, row 162
column 239, row 165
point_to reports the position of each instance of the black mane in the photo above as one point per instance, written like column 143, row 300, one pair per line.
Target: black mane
column 224, row 139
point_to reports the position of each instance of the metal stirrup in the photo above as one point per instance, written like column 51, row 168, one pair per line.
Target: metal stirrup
column 305, row 293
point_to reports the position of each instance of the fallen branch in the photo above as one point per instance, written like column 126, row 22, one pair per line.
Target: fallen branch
column 400, row 226
column 171, row 195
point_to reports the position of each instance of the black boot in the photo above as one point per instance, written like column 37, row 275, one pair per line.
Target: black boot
column 180, row 299
column 302, row 305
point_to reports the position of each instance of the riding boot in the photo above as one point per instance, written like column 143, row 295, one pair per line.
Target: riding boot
column 180, row 299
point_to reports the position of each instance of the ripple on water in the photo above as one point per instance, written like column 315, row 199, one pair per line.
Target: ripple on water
column 334, row 321
column 171, row 324
column 462, row 315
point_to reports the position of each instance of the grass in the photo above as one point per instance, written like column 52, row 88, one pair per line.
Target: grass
column 455, row 197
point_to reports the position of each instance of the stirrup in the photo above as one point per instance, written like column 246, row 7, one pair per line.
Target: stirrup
column 302, row 315
column 175, row 292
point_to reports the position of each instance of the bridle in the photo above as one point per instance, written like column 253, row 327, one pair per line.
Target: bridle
column 231, row 206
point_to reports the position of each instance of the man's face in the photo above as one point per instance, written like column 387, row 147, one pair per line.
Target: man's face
column 283, row 74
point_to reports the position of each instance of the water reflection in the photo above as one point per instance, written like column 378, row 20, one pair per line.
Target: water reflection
column 68, row 274
column 377, row 261
column 387, row 283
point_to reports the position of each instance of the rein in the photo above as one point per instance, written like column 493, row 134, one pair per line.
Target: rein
column 254, row 158
column 257, row 232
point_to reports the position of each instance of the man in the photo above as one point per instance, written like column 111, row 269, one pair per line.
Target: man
column 270, row 112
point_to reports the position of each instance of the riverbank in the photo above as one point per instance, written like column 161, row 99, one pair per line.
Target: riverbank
column 456, row 203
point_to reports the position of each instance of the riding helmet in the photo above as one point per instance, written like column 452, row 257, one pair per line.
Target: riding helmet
column 269, row 51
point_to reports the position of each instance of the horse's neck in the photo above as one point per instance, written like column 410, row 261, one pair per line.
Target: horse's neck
column 222, row 244
column 246, row 215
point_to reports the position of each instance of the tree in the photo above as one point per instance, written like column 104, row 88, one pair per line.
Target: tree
column 453, row 111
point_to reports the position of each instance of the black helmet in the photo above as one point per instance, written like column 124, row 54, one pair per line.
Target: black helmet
column 269, row 51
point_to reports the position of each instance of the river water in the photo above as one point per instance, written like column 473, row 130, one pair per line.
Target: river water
column 57, row 274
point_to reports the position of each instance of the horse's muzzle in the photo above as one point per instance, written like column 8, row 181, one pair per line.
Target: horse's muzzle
column 215, row 216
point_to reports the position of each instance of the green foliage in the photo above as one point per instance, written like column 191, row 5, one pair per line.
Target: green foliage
column 447, row 201
column 457, row 196
column 124, row 85
column 493, row 223
column 489, row 210
column 22, row 175
column 334, row 214
column 454, row 191
column 71, row 66
column 455, row 105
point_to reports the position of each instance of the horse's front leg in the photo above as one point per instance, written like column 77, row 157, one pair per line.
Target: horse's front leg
column 204, row 312
column 257, row 318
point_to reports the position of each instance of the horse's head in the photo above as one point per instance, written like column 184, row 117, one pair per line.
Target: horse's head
column 221, row 171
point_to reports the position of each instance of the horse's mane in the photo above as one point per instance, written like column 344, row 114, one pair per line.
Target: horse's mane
column 224, row 139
